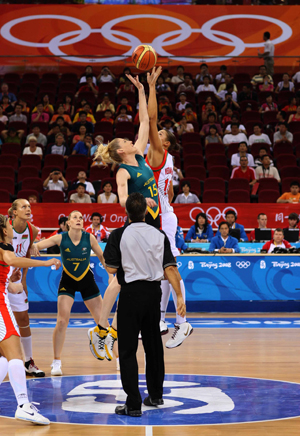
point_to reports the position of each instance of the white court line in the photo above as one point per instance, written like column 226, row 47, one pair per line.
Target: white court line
column 149, row 430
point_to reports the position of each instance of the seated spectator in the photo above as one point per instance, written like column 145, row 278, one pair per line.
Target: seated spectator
column 228, row 90
column 68, row 106
column 293, row 222
column 88, row 72
column 286, row 84
column 61, row 113
column 123, row 76
column 244, row 171
column 80, row 196
column 209, row 109
column 223, row 243
column 267, row 85
column 235, row 158
column 262, row 152
column 82, row 103
column 164, row 101
column 81, row 178
column 5, row 92
column 291, row 197
column 107, row 196
column 227, row 81
column 127, row 86
column 83, row 122
column 18, row 116
column 179, row 78
column 228, row 117
column 262, row 220
column 179, row 240
column 176, row 177
column 235, row 135
column 211, row 121
column 106, row 75
column 40, row 137
column 32, row 148
column 166, row 123
column 89, row 115
column 80, row 136
column 124, row 102
column 204, row 71
column 258, row 136
column 277, row 241
column 60, row 122
column 266, row 170
column 247, row 94
column 32, row 199
column 181, row 105
column 97, row 229
column 3, row 117
column 213, row 136
column 63, row 227
column 186, row 197
column 25, row 108
column 292, row 106
column 207, row 86
column 106, row 104
column 259, row 78
column 84, row 147
column 123, row 116
column 12, row 135
column 280, row 116
column 40, row 116
column 220, row 78
column 88, row 87
column 235, row 119
column 98, row 140
column 47, row 107
column 187, row 85
column 229, row 102
column 7, row 107
column 283, row 135
column 60, row 147
column 269, row 105
column 184, row 127
column 161, row 86
column 52, row 133
column 208, row 104
column 190, row 115
column 201, row 231
column 108, row 116
column 231, row 218
column 55, row 181
column 296, row 116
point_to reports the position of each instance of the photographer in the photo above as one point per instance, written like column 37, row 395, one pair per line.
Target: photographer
column 55, row 181
column 276, row 242
column 229, row 103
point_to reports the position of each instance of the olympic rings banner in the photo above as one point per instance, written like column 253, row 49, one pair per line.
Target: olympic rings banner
column 46, row 215
column 114, row 31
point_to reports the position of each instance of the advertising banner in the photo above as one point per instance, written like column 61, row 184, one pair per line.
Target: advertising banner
column 180, row 34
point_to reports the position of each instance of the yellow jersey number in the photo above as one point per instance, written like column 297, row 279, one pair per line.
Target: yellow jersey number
column 76, row 265
column 153, row 190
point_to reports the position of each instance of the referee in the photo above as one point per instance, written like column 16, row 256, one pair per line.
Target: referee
column 140, row 254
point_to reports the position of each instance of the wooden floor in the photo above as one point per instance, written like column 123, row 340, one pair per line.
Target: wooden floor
column 259, row 353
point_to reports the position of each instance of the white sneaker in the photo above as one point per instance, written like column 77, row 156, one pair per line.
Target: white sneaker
column 28, row 412
column 32, row 369
column 97, row 340
column 163, row 327
column 56, row 368
column 181, row 332
column 117, row 364
column 111, row 338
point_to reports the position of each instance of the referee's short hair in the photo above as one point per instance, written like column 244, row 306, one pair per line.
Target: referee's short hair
column 136, row 207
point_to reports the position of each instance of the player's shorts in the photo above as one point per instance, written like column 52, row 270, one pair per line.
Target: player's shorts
column 86, row 286
column 18, row 302
column 169, row 226
column 8, row 323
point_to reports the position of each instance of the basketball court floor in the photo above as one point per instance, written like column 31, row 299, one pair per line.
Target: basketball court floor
column 236, row 374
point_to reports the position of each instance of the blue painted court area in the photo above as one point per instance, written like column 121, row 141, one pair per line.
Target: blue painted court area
column 188, row 400
column 219, row 322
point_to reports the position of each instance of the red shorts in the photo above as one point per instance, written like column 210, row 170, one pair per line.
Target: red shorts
column 8, row 323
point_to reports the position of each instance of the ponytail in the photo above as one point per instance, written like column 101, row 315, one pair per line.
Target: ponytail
column 109, row 153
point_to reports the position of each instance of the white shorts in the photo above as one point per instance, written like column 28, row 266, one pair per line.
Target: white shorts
column 169, row 226
column 18, row 302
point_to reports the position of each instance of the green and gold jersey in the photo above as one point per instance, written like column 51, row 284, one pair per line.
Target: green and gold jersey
column 76, row 258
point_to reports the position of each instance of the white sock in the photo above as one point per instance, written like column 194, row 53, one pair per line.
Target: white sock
column 3, row 368
column 179, row 319
column 17, row 380
column 27, row 347
column 56, row 361
column 165, row 295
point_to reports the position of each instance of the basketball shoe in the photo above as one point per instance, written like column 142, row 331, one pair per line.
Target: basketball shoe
column 163, row 327
column 28, row 412
column 56, row 367
column 32, row 369
column 111, row 338
column 181, row 332
column 97, row 341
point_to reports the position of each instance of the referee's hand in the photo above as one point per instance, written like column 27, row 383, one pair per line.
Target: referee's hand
column 181, row 308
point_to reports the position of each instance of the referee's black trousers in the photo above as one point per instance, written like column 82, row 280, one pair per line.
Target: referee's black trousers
column 139, row 310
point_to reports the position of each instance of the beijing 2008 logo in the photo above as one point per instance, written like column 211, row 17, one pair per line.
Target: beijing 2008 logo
column 130, row 41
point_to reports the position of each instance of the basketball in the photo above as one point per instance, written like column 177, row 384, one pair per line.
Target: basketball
column 144, row 57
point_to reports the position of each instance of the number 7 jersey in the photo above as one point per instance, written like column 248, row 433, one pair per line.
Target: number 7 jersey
column 163, row 177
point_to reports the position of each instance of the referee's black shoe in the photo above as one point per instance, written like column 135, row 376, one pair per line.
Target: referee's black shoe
column 148, row 401
column 125, row 410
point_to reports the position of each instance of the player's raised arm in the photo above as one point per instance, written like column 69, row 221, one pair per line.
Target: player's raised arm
column 142, row 141
column 22, row 262
column 122, row 178
column 155, row 141
column 50, row 242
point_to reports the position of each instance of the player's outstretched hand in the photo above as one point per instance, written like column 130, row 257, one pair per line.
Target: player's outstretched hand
column 150, row 202
column 181, row 308
column 53, row 261
column 15, row 288
column 16, row 275
column 152, row 78
column 135, row 81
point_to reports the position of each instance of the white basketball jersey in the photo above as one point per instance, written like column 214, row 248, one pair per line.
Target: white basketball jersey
column 22, row 241
column 163, row 177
